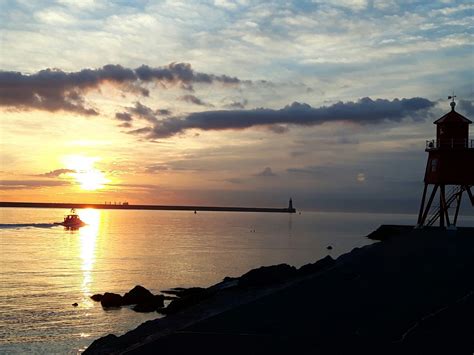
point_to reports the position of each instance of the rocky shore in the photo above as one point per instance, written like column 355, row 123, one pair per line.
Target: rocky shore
column 412, row 292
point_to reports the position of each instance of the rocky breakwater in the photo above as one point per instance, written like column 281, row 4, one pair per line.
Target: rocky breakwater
column 411, row 293
column 190, row 305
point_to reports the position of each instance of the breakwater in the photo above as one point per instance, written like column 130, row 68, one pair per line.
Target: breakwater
column 63, row 205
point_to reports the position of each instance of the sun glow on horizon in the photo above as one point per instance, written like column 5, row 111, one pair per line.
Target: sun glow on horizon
column 87, row 176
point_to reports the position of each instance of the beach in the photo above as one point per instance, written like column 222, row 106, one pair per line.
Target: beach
column 412, row 292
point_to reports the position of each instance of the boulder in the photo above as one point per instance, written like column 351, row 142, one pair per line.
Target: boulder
column 193, row 297
column 138, row 294
column 267, row 275
column 111, row 300
column 97, row 297
column 152, row 305
column 317, row 266
column 98, row 345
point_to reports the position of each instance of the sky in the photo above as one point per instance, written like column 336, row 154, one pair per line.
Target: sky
column 241, row 103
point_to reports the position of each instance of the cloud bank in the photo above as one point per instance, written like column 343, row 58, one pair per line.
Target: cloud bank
column 363, row 111
column 53, row 89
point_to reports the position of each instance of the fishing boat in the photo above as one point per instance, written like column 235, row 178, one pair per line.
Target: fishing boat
column 72, row 220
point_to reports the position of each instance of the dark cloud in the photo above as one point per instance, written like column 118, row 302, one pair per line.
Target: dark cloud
column 266, row 172
column 237, row 104
column 363, row 111
column 123, row 116
column 193, row 100
column 278, row 128
column 125, row 125
column 29, row 184
column 466, row 107
column 163, row 112
column 54, row 90
column 181, row 73
column 57, row 172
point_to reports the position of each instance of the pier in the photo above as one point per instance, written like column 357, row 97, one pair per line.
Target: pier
column 104, row 206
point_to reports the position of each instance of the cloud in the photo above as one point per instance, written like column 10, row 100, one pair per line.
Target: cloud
column 156, row 168
column 140, row 111
column 57, row 172
column 29, row 184
column 123, row 116
column 193, row 100
column 363, row 111
column 237, row 104
column 54, row 90
column 266, row 172
column 467, row 107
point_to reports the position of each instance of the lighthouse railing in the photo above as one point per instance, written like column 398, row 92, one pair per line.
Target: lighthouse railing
column 449, row 144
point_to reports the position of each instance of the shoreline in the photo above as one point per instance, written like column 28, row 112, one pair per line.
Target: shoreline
column 380, row 296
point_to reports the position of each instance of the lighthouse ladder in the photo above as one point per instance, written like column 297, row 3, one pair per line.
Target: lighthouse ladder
column 436, row 209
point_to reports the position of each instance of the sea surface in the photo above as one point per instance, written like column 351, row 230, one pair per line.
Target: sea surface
column 44, row 268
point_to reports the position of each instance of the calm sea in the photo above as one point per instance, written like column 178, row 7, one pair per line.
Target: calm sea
column 44, row 269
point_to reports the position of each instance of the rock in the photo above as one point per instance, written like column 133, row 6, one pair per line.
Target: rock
column 229, row 279
column 75, row 304
column 387, row 231
column 183, row 292
column 111, row 300
column 267, row 275
column 170, row 298
column 98, row 345
column 97, row 297
column 138, row 294
column 152, row 305
column 193, row 297
column 317, row 266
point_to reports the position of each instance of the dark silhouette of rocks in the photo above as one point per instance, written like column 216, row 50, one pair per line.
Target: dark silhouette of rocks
column 156, row 303
column 183, row 292
column 138, row 294
column 267, row 275
column 111, row 300
column 97, row 297
column 186, row 298
column 317, row 266
column 409, row 294
column 143, row 299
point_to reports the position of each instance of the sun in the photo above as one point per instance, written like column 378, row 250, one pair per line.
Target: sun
column 87, row 176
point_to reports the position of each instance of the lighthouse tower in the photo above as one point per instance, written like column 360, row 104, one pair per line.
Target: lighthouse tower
column 449, row 170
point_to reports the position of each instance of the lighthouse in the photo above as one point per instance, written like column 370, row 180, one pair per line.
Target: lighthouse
column 449, row 170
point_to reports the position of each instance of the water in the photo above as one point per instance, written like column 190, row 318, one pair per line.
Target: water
column 44, row 268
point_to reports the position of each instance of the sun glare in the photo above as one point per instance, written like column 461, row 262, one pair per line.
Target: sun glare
column 85, row 173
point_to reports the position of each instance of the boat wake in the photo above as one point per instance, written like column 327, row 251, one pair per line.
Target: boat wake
column 27, row 225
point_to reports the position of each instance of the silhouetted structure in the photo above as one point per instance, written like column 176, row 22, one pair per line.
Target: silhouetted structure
column 450, row 163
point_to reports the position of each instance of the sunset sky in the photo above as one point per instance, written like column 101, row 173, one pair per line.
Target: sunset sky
column 228, row 102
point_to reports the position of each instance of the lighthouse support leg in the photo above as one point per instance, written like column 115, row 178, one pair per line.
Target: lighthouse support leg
column 468, row 189
column 428, row 205
column 458, row 204
column 441, row 207
column 444, row 205
column 422, row 206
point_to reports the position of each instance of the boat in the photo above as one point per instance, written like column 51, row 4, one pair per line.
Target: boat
column 72, row 220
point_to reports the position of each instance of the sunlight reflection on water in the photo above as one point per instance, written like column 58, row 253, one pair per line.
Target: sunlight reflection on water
column 88, row 238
